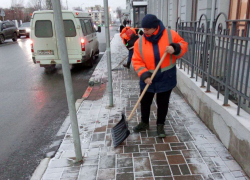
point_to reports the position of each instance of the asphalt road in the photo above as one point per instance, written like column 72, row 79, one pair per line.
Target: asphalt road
column 33, row 106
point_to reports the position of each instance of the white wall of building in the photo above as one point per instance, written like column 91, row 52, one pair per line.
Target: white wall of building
column 166, row 10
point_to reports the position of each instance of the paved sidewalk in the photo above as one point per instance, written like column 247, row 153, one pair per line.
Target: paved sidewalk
column 189, row 152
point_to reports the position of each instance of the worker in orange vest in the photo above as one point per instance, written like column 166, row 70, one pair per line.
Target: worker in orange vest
column 148, row 51
column 129, row 36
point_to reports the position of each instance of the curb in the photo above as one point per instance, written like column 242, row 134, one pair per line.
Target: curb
column 37, row 175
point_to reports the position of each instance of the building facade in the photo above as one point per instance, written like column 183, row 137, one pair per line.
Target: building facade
column 97, row 14
column 169, row 11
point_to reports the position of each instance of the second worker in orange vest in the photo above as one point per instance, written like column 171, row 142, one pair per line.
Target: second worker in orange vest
column 148, row 51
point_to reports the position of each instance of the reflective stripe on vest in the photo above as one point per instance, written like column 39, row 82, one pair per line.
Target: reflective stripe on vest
column 140, row 48
column 171, row 56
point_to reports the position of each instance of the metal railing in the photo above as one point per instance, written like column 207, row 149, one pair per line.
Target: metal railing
column 219, row 56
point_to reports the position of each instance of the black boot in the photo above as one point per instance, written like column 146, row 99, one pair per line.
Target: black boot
column 127, row 65
column 160, row 131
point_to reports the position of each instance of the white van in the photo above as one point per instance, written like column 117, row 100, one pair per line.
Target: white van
column 81, row 39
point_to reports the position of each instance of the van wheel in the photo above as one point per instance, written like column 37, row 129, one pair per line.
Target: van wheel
column 1, row 39
column 15, row 37
column 49, row 68
column 90, row 62
column 97, row 54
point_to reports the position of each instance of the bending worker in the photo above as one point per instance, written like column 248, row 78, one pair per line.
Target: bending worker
column 148, row 51
column 129, row 36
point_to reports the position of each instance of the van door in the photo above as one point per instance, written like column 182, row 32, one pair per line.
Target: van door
column 44, row 38
column 89, row 37
column 95, row 44
column 73, row 40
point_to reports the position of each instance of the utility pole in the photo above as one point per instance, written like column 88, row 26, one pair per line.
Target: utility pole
column 60, row 35
column 106, row 12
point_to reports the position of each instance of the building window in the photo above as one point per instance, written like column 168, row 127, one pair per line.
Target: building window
column 239, row 9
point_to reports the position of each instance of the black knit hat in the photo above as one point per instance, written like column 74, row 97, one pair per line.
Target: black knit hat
column 150, row 21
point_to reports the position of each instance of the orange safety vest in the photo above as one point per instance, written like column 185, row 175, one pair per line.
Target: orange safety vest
column 124, row 36
column 144, row 61
column 143, row 58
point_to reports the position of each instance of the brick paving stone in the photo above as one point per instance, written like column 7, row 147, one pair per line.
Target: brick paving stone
column 88, row 172
column 217, row 176
column 107, row 162
column 140, row 154
column 134, row 137
column 175, row 170
column 125, row 176
column 157, row 156
column 98, row 137
column 194, row 160
column 184, row 169
column 120, row 156
column 161, row 171
column 238, row 174
column 199, row 169
column 228, row 176
column 179, row 129
column 192, row 177
column 143, row 174
column 232, row 165
column 124, row 170
column 142, row 164
column 88, row 161
column 127, row 162
column 163, row 178
column 172, row 152
column 159, row 140
column 147, row 148
column 147, row 178
column 191, row 154
column 208, row 154
column 101, row 129
column 178, row 148
column 104, row 174
column 176, row 159
column 131, row 149
column 190, row 145
column 162, row 147
column 170, row 139
column 184, row 137
column 148, row 140
column 117, row 150
column 159, row 163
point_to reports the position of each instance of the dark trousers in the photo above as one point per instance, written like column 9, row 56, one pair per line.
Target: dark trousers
column 162, row 100
column 130, row 55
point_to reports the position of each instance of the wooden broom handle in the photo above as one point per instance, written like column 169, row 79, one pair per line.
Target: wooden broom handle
column 146, row 88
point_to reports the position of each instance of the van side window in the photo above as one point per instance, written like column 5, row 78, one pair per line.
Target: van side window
column 88, row 26
column 92, row 25
column 43, row 28
column 69, row 28
column 84, row 31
